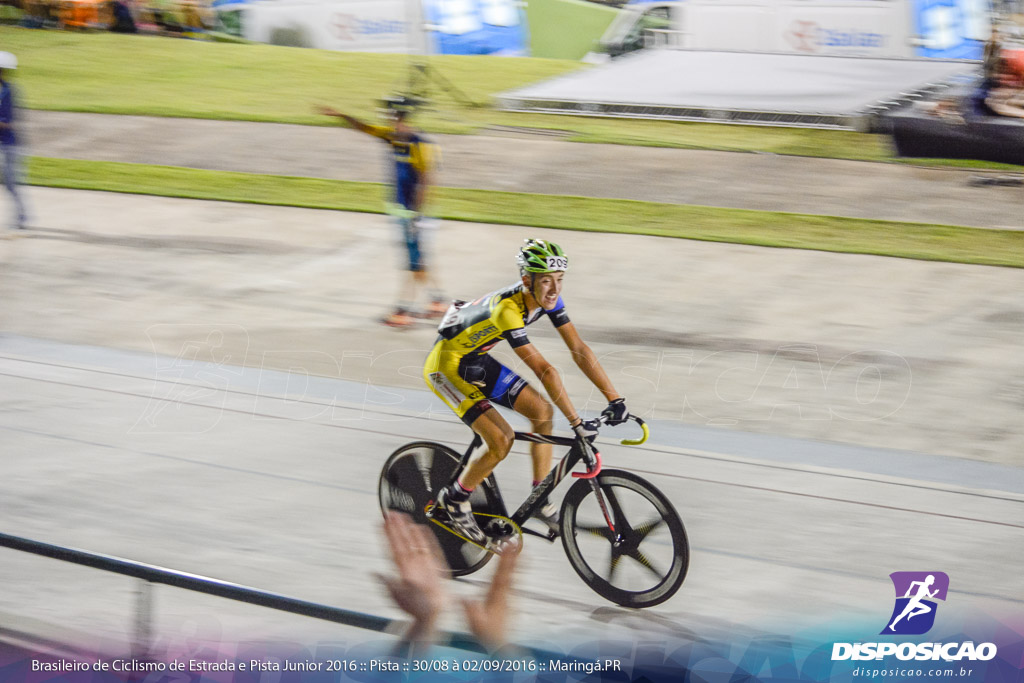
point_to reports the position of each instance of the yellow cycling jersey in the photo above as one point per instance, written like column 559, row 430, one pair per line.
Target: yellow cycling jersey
column 475, row 327
column 458, row 369
column 411, row 151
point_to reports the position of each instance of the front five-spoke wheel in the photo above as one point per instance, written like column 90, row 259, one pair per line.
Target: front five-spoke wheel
column 629, row 545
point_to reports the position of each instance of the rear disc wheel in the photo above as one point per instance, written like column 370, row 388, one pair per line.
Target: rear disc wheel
column 409, row 481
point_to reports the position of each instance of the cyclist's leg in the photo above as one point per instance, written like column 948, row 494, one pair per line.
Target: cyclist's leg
column 402, row 315
column 498, row 436
column 501, row 386
column 441, row 373
column 538, row 410
column 414, row 265
column 412, row 277
column 454, row 498
column 428, row 276
column 415, row 241
column 506, row 388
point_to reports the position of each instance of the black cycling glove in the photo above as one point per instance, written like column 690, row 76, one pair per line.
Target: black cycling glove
column 616, row 412
column 586, row 429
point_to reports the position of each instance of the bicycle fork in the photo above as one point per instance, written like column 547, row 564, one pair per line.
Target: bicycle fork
column 592, row 458
column 604, row 506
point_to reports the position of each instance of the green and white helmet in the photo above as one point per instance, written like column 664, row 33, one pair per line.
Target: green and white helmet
column 541, row 256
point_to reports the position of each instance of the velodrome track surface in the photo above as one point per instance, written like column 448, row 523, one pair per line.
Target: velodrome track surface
column 222, row 405
column 219, row 471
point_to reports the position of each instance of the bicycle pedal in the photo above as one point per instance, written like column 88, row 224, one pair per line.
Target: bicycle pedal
column 438, row 515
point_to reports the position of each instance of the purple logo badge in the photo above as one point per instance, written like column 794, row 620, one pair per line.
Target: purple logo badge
column 916, row 593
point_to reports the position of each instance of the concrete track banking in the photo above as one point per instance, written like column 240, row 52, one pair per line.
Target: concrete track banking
column 267, row 460
column 202, row 386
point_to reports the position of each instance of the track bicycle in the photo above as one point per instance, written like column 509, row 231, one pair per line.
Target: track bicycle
column 619, row 532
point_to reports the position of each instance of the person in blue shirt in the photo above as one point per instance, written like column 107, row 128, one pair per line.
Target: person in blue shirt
column 9, row 141
column 414, row 161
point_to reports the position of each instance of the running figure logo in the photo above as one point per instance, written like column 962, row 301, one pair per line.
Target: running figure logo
column 916, row 592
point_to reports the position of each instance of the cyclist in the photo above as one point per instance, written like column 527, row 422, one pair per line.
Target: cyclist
column 414, row 162
column 460, row 371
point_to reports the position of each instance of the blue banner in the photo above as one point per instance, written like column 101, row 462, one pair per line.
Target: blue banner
column 476, row 27
column 951, row 29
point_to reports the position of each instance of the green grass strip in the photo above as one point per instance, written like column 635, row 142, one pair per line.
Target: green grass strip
column 109, row 73
column 739, row 226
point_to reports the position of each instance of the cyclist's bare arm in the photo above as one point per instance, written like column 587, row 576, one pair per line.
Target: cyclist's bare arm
column 587, row 361
column 350, row 120
column 550, row 378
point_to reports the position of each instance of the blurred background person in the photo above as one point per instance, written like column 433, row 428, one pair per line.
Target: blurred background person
column 9, row 141
column 413, row 157
column 1005, row 95
column 121, row 19
column 992, row 53
column 38, row 14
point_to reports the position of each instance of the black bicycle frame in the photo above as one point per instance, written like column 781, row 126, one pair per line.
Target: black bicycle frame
column 539, row 494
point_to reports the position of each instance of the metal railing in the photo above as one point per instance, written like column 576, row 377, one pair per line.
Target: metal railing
column 668, row 112
column 150, row 574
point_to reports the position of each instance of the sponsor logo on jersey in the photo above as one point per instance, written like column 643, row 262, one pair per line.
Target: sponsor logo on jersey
column 443, row 386
column 480, row 335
